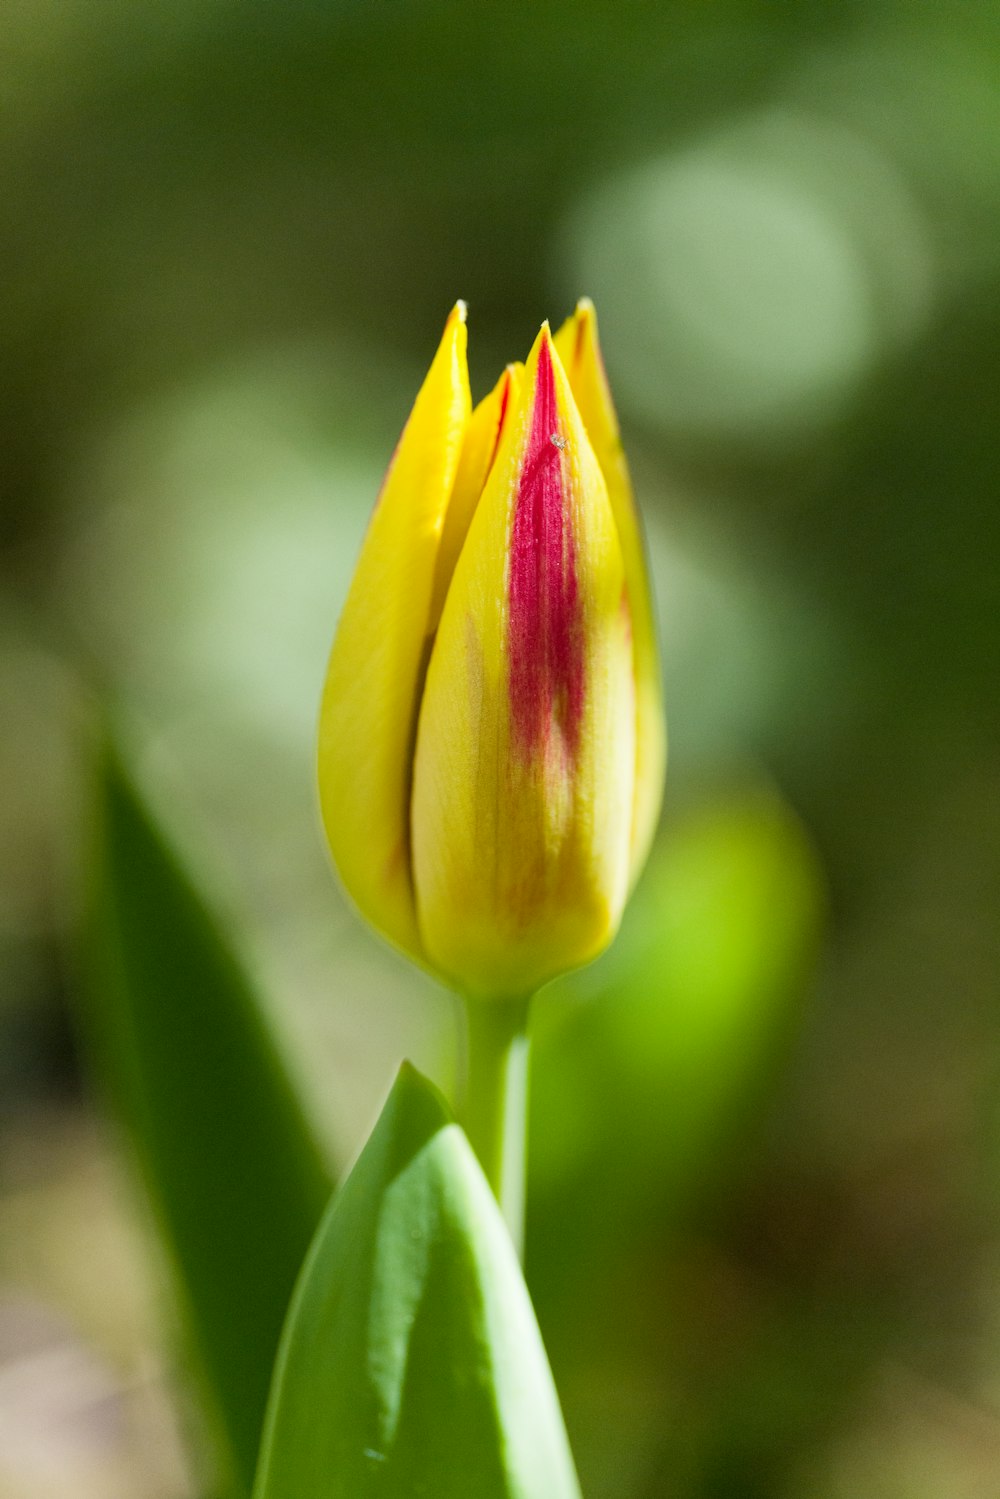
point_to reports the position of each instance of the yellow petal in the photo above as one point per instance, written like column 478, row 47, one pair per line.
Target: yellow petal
column 580, row 352
column 523, row 776
column 370, row 701
column 481, row 445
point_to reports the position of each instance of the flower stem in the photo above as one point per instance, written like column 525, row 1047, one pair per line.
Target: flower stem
column 495, row 1111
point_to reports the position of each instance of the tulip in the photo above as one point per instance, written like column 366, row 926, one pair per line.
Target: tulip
column 491, row 744
column 491, row 738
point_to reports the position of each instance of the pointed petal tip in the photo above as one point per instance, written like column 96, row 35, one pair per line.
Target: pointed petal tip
column 459, row 313
column 546, row 349
column 585, row 331
column 543, row 341
column 538, row 364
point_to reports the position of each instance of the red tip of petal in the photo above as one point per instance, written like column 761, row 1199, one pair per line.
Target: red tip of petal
column 545, row 679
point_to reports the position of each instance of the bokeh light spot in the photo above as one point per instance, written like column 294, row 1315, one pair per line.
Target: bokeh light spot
column 752, row 280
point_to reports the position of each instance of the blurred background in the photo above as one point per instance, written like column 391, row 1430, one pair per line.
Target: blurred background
column 764, row 1236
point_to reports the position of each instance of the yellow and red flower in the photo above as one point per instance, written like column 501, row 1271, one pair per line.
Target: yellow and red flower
column 492, row 745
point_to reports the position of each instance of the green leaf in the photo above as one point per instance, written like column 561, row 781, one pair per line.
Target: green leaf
column 411, row 1362
column 235, row 1175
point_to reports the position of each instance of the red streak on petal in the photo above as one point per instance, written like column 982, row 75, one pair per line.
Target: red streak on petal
column 579, row 340
column 545, row 677
column 501, row 419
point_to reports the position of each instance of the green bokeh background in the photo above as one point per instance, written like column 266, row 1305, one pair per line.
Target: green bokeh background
column 763, row 1235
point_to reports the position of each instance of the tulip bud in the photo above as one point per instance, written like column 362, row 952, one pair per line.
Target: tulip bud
column 491, row 736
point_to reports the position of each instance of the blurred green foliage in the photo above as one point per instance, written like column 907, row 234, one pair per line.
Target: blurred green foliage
column 236, row 1178
column 230, row 237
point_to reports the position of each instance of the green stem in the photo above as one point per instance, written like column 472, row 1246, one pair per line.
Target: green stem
column 495, row 1111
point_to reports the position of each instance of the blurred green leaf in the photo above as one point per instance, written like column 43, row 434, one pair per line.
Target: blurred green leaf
column 731, row 921
column 411, row 1362
column 235, row 1175
column 691, row 1009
